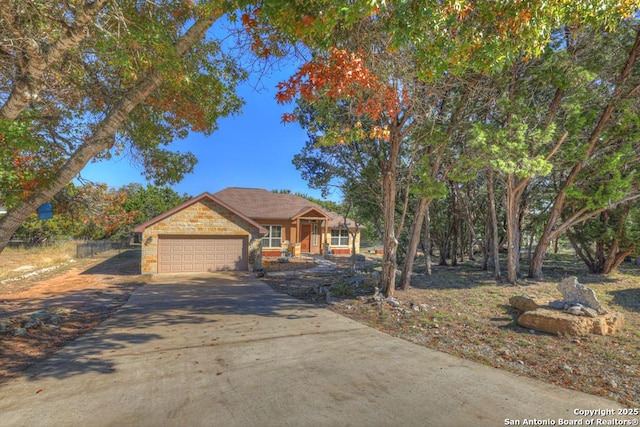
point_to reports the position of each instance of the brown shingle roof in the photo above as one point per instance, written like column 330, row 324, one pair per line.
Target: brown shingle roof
column 257, row 203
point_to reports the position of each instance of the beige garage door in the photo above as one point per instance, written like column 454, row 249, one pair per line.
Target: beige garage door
column 201, row 253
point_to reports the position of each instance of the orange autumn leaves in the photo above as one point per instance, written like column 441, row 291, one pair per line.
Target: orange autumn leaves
column 343, row 75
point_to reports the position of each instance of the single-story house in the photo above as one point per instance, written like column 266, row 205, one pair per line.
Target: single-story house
column 234, row 228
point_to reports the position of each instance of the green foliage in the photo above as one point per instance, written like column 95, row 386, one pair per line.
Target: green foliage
column 427, row 186
column 606, row 180
column 343, row 290
column 150, row 201
column 38, row 231
column 455, row 37
column 508, row 149
column 18, row 134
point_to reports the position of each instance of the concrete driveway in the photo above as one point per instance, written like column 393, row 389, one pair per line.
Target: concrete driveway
column 225, row 350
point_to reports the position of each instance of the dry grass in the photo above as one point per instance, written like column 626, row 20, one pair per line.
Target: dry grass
column 15, row 262
column 467, row 314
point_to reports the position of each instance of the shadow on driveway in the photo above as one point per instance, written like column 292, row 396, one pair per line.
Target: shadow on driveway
column 172, row 312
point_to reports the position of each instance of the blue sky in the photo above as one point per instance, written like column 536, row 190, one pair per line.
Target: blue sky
column 253, row 149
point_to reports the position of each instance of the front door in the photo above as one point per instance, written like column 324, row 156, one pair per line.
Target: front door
column 305, row 238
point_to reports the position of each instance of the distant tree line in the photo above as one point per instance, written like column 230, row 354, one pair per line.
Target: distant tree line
column 95, row 211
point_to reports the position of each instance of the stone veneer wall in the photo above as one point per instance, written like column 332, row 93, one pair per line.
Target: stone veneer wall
column 202, row 218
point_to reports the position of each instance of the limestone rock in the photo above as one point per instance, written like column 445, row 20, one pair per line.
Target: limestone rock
column 577, row 293
column 393, row 302
column 576, row 310
column 580, row 310
column 556, row 322
column 560, row 323
column 32, row 323
column 523, row 303
column 20, row 332
column 608, row 324
column 330, row 299
column 557, row 304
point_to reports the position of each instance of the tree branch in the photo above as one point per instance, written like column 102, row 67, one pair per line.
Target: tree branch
column 103, row 137
column 555, row 149
column 28, row 84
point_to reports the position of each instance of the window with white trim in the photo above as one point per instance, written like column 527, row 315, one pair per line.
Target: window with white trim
column 315, row 234
column 339, row 237
column 274, row 238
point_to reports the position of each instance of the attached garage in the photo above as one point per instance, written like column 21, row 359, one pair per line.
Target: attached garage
column 203, row 234
column 187, row 254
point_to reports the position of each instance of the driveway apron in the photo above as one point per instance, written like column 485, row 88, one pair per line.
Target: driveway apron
column 226, row 350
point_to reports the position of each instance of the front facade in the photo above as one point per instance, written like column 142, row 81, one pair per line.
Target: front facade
column 305, row 233
column 234, row 228
column 312, row 236
column 295, row 225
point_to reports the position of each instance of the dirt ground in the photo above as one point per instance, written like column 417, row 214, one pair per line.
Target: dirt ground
column 83, row 293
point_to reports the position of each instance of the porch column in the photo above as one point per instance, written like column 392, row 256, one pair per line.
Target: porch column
column 326, row 239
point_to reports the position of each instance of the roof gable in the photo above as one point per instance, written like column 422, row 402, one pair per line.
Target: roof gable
column 140, row 228
column 310, row 211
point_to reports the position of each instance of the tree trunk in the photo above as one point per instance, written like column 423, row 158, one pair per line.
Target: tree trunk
column 615, row 261
column 444, row 252
column 427, row 240
column 585, row 256
column 414, row 239
column 615, row 257
column 493, row 218
column 462, row 241
column 513, row 229
column 485, row 244
column 102, row 139
column 454, row 225
column 607, row 255
column 389, row 241
column 471, row 238
column 453, row 254
column 530, row 248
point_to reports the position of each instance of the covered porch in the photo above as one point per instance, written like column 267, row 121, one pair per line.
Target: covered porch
column 312, row 226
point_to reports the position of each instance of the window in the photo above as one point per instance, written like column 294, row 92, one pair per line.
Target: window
column 274, row 238
column 339, row 238
column 315, row 234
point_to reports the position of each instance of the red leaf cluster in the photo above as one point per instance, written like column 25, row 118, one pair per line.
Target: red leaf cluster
column 341, row 75
column 252, row 27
